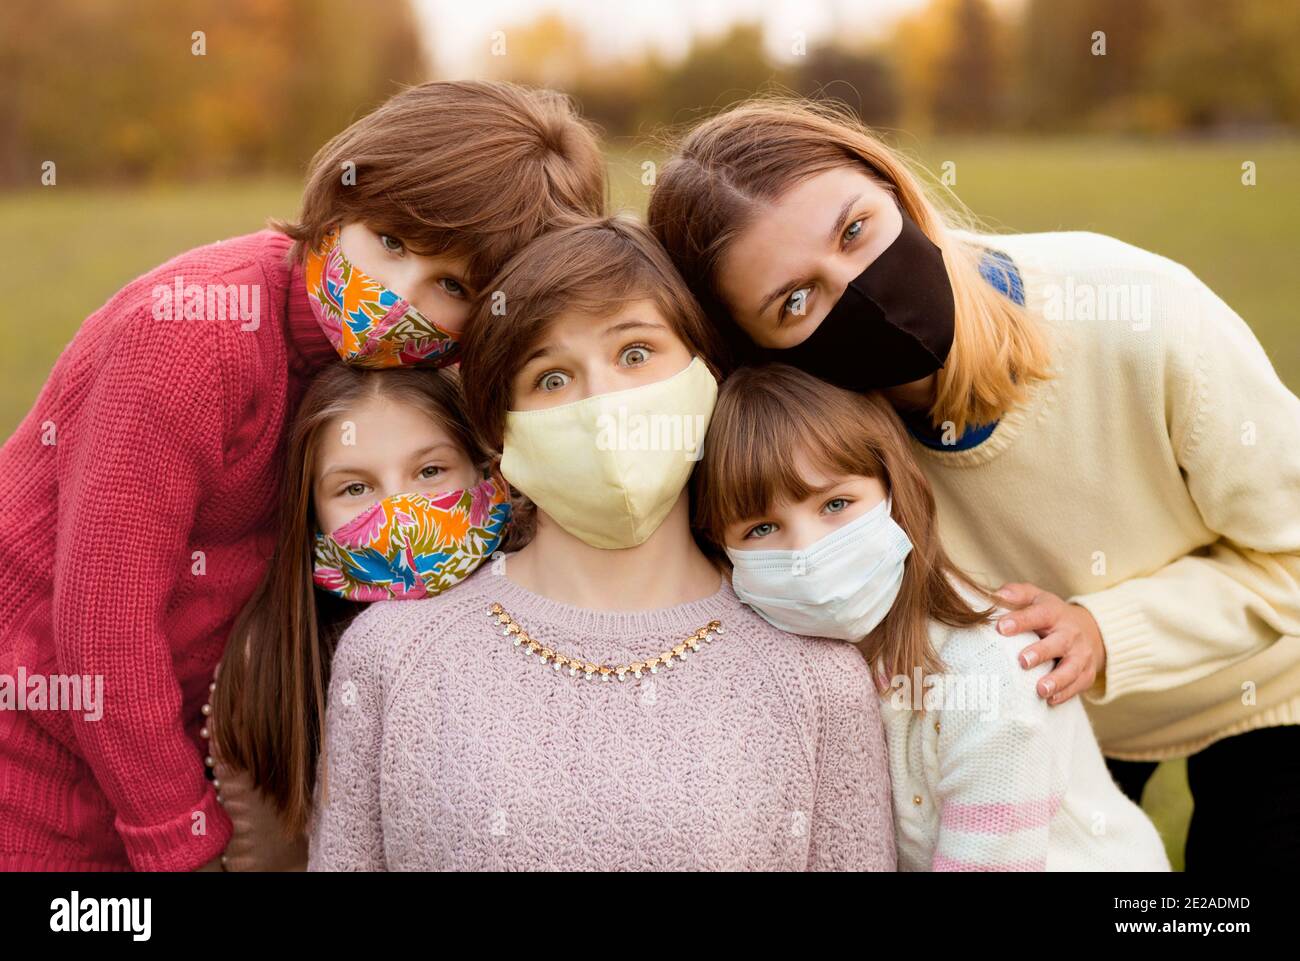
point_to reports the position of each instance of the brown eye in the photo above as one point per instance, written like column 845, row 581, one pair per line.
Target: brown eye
column 355, row 490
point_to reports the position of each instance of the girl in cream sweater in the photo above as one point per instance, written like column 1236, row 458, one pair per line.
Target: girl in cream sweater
column 1091, row 418
column 812, row 493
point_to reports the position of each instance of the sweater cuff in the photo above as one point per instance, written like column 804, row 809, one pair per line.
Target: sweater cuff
column 1127, row 637
column 188, row 841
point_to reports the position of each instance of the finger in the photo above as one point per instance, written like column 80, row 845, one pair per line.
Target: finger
column 1040, row 616
column 1061, row 677
column 1051, row 647
column 1080, row 684
column 1017, row 594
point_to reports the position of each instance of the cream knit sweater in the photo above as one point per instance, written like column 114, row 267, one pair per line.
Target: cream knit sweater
column 1156, row 481
column 991, row 778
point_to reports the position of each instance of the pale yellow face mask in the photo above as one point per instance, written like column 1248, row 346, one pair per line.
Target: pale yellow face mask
column 609, row 468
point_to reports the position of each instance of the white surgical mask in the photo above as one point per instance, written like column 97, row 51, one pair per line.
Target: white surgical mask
column 842, row 586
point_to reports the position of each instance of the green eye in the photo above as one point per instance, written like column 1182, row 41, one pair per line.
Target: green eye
column 391, row 244
column 552, row 380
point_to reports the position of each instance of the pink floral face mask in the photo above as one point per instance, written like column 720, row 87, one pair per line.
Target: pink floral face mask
column 410, row 546
column 368, row 324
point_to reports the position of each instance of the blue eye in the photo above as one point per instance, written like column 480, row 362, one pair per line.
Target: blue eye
column 841, row 501
column 853, row 230
column 797, row 303
column 761, row 530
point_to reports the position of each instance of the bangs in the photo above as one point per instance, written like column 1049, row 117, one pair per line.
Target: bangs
column 770, row 425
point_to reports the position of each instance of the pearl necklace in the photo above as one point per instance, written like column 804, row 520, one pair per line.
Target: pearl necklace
column 591, row 671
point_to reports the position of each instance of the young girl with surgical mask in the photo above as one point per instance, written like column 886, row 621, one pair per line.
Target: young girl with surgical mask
column 812, row 494
column 387, row 495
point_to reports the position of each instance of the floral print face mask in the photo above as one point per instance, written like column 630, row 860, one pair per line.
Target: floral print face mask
column 410, row 546
column 368, row 324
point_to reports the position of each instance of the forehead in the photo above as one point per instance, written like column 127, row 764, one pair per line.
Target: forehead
column 785, row 234
column 578, row 325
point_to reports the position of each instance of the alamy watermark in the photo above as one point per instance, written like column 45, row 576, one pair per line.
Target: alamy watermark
column 182, row 301
column 82, row 693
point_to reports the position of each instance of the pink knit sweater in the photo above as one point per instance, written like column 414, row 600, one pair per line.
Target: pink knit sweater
column 448, row 748
column 136, row 507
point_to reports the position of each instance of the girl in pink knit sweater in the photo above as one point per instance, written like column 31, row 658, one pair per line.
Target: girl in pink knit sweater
column 813, row 495
column 149, row 465
column 386, row 495
column 599, row 699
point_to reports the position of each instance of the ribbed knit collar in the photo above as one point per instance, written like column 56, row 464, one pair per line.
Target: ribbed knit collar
column 309, row 350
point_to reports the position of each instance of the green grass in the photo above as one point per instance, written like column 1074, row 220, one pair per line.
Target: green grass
column 66, row 250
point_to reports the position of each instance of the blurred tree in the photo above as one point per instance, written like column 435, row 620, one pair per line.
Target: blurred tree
column 1065, row 77
column 865, row 81
column 967, row 95
column 120, row 91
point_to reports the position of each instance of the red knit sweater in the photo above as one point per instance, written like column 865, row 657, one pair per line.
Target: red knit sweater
column 136, row 518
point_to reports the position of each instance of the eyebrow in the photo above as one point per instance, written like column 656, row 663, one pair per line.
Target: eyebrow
column 361, row 471
column 616, row 328
column 832, row 237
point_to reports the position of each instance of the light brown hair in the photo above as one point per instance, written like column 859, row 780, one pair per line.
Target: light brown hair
column 471, row 168
column 728, row 166
column 269, row 705
column 767, row 415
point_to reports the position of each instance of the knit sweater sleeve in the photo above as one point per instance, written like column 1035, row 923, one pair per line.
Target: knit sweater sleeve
column 1232, row 423
column 346, row 832
column 852, row 819
column 1001, row 765
column 130, row 477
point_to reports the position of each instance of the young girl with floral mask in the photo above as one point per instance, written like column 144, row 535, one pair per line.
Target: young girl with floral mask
column 813, row 496
column 387, row 496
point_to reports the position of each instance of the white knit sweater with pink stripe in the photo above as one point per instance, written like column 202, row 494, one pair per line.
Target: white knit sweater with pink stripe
column 991, row 778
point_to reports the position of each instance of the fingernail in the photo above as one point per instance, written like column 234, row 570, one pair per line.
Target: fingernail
column 1007, row 626
column 1029, row 658
column 1049, row 686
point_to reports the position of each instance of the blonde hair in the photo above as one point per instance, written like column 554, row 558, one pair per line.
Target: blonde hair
column 750, row 154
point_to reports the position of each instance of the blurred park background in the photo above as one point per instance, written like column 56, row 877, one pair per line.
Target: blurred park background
column 1170, row 124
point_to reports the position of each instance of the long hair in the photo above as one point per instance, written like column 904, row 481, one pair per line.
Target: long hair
column 269, row 705
column 728, row 166
column 765, row 416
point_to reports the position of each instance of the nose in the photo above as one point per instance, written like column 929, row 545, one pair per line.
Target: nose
column 804, row 532
column 838, row 273
column 403, row 279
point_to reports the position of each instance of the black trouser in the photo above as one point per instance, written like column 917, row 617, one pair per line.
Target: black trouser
column 1245, row 801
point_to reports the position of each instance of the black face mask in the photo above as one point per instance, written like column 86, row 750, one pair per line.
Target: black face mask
column 892, row 325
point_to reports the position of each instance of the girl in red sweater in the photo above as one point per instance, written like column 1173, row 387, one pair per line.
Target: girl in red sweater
column 138, row 497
